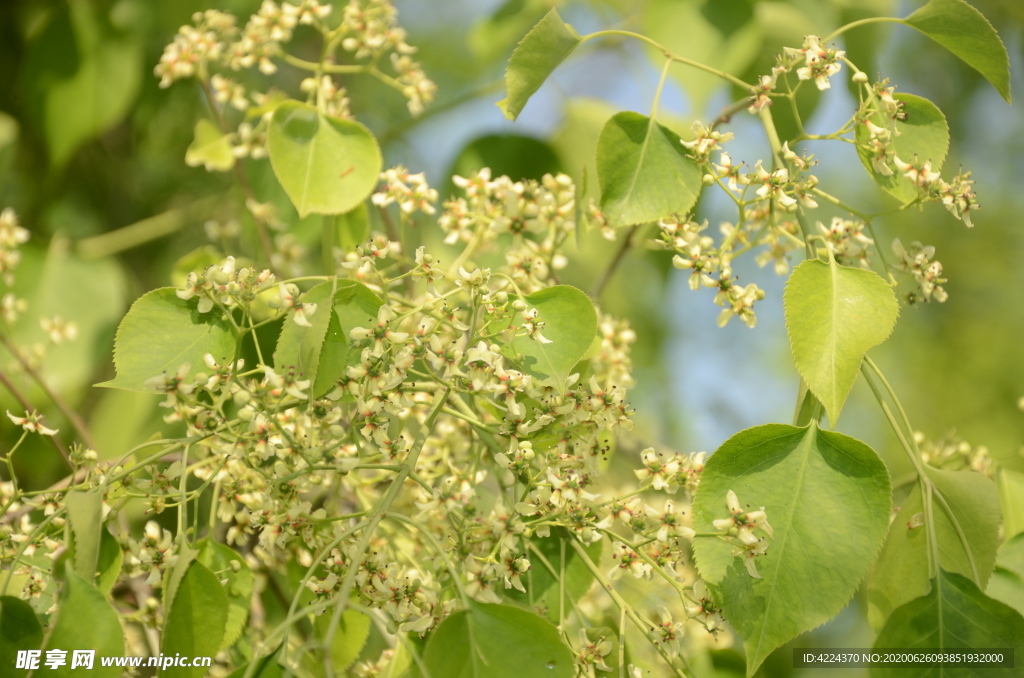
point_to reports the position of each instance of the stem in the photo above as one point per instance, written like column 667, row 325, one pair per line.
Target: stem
column 68, row 413
column 860, row 22
column 623, row 605
column 341, row 600
column 54, row 440
column 669, row 54
column 617, row 258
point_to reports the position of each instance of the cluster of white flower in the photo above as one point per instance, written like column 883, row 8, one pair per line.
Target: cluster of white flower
column 410, row 191
column 225, row 286
column 925, row 271
column 329, row 95
column 12, row 235
column 698, row 254
column 847, row 241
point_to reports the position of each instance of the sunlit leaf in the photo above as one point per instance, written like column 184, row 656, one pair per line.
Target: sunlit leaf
column 162, row 332
column 644, row 171
column 954, row 614
column 85, row 621
column 238, row 585
column 321, row 353
column 570, row 322
column 834, row 314
column 548, row 44
column 326, row 165
column 497, row 641
column 349, row 639
column 924, row 135
column 827, row 498
column 966, row 32
column 196, row 620
column 901, row 572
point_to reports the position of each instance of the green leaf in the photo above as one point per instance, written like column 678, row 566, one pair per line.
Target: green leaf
column 322, row 353
column 954, row 614
column 497, row 641
column 299, row 347
column 826, row 496
column 326, row 165
column 85, row 515
column 196, row 620
column 160, row 333
column 1011, row 493
column 1007, row 581
column 82, row 74
column 547, row 44
column 570, row 323
column 110, row 560
column 266, row 667
column 354, row 306
column 237, row 587
column 834, row 314
column 210, row 148
column 85, row 621
column 542, row 584
column 923, row 134
column 348, row 642
column 19, row 630
column 353, row 227
column 644, row 171
column 89, row 293
column 966, row 32
column 901, row 572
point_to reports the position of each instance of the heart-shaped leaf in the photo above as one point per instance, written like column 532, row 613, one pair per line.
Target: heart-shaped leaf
column 321, row 353
column 547, row 44
column 827, row 498
column 162, row 332
column 497, row 641
column 85, row 621
column 924, row 134
column 196, row 620
column 966, row 32
column 238, row 585
column 955, row 614
column 901, row 573
column 644, row 171
column 326, row 165
column 570, row 322
column 834, row 314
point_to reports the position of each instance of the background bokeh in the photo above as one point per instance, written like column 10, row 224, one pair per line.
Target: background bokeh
column 91, row 157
